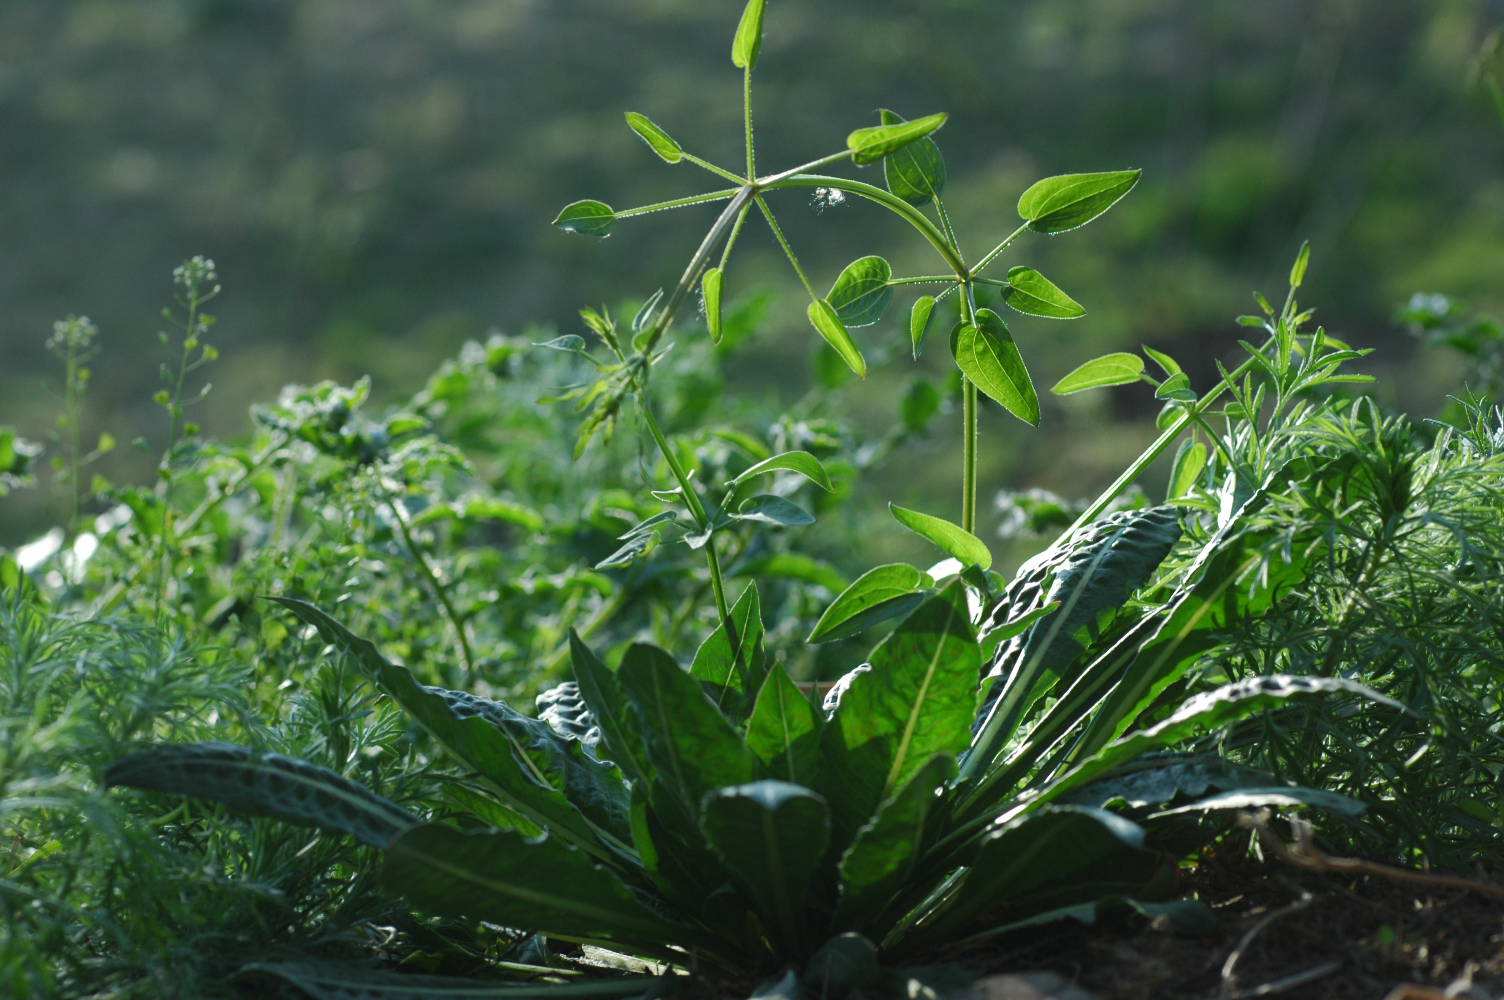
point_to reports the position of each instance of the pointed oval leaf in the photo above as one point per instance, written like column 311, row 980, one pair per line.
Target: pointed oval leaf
column 876, row 595
column 587, row 218
column 1069, row 201
column 1032, row 294
column 987, row 355
column 657, row 140
column 868, row 145
column 917, row 700
column 502, row 877
column 801, row 462
column 915, row 173
column 767, row 508
column 1118, row 368
column 710, row 290
column 1177, row 388
column 772, row 836
column 784, row 729
column 264, row 784
column 731, row 666
column 822, row 316
column 1166, row 363
column 690, row 745
column 748, row 41
column 1189, row 461
column 950, row 538
column 861, row 292
column 919, row 322
column 885, row 850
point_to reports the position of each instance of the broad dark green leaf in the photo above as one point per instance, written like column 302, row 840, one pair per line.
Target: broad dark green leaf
column 732, row 668
column 861, row 292
column 1162, row 779
column 588, row 218
column 1118, row 368
column 886, row 849
column 692, row 748
column 784, row 730
column 657, row 140
column 345, row 981
column 1271, row 797
column 915, row 173
column 1059, row 856
column 603, row 696
column 710, row 289
column 868, row 145
column 951, row 539
column 881, row 593
column 1190, row 459
column 771, row 835
column 987, row 355
column 502, row 877
column 1209, row 712
column 822, row 316
column 1033, row 294
column 843, row 966
column 778, row 511
column 1069, row 201
column 1091, row 573
column 549, row 780
column 916, row 701
column 264, row 784
column 801, row 462
column 748, row 41
column 919, row 322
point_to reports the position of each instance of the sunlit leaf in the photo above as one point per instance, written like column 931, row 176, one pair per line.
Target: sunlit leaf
column 861, row 292
column 657, row 140
column 1033, row 294
column 823, row 317
column 1118, row 368
column 748, row 41
column 949, row 538
column 588, row 218
column 1069, row 201
column 987, row 355
column 868, row 145
column 915, row 173
column 919, row 322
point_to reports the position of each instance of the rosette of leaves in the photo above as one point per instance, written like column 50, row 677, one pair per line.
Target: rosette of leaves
column 708, row 818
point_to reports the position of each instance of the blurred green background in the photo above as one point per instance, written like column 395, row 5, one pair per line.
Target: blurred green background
column 376, row 179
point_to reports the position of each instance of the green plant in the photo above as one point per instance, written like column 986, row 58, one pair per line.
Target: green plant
column 915, row 174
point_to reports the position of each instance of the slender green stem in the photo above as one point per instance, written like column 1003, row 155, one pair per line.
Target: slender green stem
column 803, row 168
column 691, row 274
column 992, row 254
column 736, row 230
column 720, row 172
column 969, row 429
column 747, row 118
column 894, row 204
column 435, row 584
column 767, row 213
column 945, row 223
column 664, row 206
column 1157, row 448
column 697, row 511
column 924, row 279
